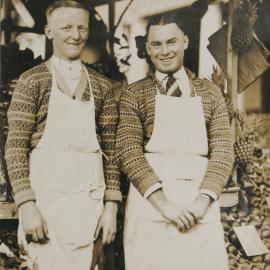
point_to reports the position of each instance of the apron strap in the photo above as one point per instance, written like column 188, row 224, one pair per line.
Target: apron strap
column 92, row 98
column 158, row 92
column 53, row 71
column 48, row 64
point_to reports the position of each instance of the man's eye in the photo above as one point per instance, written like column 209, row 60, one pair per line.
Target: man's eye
column 156, row 45
column 83, row 29
column 66, row 28
column 172, row 42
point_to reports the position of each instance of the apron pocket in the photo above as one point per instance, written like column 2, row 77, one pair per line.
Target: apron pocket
column 97, row 193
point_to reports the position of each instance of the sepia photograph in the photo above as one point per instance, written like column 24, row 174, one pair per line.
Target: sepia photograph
column 135, row 135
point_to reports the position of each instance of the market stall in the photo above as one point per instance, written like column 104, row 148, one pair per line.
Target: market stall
column 229, row 45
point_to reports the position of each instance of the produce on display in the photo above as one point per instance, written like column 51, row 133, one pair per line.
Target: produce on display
column 243, row 26
column 253, row 178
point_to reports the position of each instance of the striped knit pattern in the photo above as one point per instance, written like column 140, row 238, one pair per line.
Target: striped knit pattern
column 137, row 112
column 27, row 117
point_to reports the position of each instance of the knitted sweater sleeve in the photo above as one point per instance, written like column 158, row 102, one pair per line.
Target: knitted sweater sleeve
column 21, row 122
column 129, row 144
column 221, row 155
column 107, row 126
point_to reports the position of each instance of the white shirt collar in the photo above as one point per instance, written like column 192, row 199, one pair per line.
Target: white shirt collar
column 160, row 76
column 181, row 77
column 69, row 67
column 181, row 74
column 70, row 70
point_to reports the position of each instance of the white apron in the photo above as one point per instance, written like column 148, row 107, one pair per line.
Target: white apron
column 176, row 153
column 66, row 174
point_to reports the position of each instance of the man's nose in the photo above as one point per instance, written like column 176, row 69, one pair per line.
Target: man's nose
column 164, row 50
column 75, row 33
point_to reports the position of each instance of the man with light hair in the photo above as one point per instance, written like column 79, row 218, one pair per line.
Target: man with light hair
column 60, row 149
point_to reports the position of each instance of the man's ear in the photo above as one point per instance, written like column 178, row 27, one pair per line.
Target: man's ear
column 186, row 41
column 48, row 32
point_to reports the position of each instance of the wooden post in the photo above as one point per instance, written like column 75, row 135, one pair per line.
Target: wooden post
column 230, row 196
column 111, row 22
column 232, row 73
column 6, row 13
column 232, row 63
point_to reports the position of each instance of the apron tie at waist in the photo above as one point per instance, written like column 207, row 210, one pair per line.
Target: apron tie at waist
column 180, row 167
column 103, row 154
column 173, row 152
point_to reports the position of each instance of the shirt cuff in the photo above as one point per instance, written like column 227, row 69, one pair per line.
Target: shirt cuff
column 113, row 195
column 152, row 189
column 24, row 196
column 210, row 193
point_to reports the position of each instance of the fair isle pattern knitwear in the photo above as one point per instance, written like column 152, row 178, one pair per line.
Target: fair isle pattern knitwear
column 27, row 117
column 137, row 113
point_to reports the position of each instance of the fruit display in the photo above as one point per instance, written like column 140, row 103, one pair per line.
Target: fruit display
column 256, row 190
column 243, row 27
column 245, row 149
column 253, row 178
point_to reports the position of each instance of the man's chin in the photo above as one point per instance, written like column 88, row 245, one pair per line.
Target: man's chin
column 74, row 56
column 167, row 69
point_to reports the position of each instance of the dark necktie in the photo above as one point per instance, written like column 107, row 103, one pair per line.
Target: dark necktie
column 172, row 87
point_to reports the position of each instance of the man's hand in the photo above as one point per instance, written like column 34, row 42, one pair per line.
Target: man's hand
column 172, row 212
column 34, row 225
column 182, row 218
column 107, row 222
column 199, row 206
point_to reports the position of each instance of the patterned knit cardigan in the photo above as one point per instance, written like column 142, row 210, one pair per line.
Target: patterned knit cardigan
column 27, row 117
column 137, row 113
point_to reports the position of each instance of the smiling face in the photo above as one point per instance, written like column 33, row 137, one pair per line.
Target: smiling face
column 165, row 46
column 68, row 29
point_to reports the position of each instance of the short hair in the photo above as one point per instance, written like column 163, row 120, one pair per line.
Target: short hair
column 66, row 3
column 163, row 19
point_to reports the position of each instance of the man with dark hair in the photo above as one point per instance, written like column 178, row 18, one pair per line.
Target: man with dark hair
column 62, row 121
column 174, row 144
